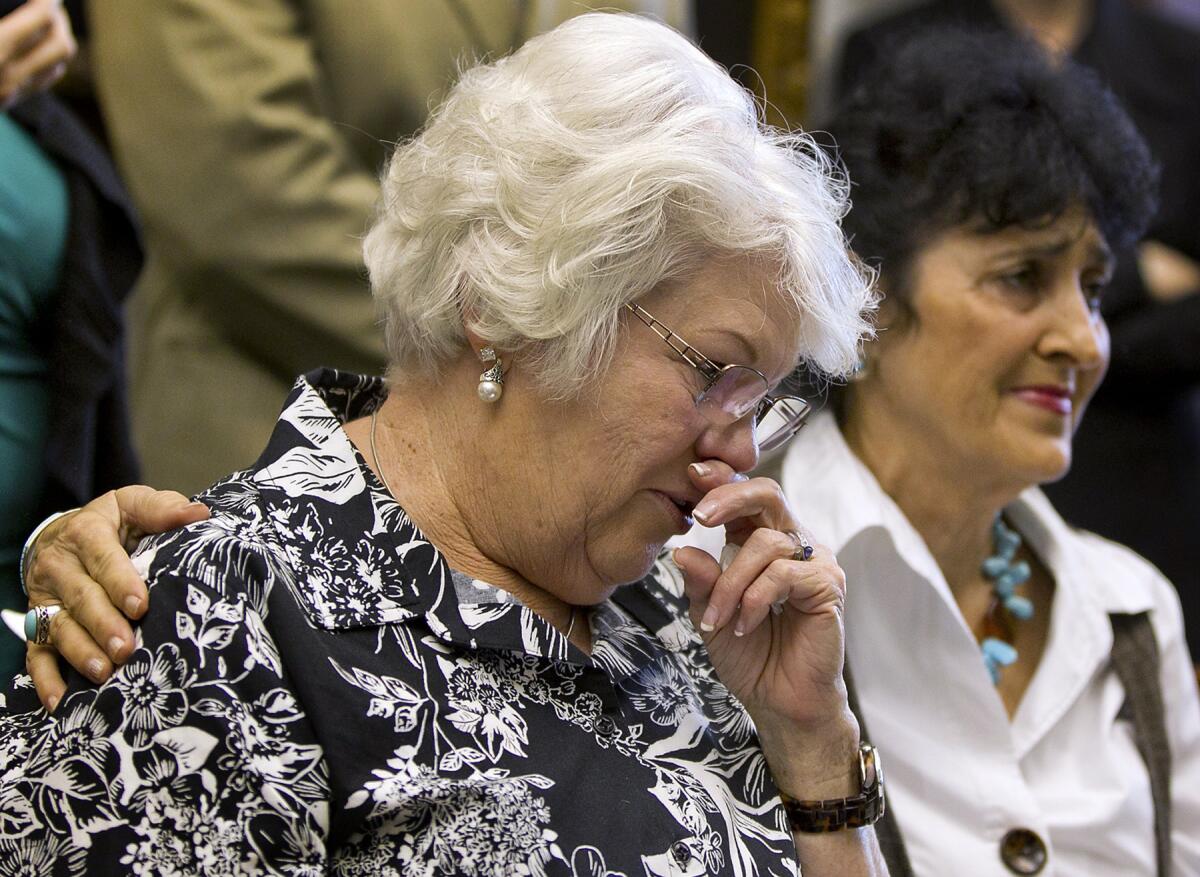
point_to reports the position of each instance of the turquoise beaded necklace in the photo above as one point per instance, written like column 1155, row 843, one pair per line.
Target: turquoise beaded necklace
column 1005, row 575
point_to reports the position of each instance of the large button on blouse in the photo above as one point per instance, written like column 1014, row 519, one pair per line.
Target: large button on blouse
column 1023, row 852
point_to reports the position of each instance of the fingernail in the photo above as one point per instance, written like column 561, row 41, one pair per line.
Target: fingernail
column 52, row 703
column 709, row 621
column 114, row 646
column 132, row 605
column 701, row 469
column 737, row 631
column 703, row 512
column 740, row 476
column 675, row 557
column 95, row 669
column 196, row 505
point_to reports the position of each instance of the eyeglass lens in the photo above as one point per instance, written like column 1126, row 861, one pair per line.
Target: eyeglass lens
column 738, row 391
column 780, row 422
column 735, row 393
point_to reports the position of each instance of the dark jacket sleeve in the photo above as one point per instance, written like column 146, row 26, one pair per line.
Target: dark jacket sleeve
column 89, row 448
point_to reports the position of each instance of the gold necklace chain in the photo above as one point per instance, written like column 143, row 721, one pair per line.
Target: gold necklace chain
column 375, row 455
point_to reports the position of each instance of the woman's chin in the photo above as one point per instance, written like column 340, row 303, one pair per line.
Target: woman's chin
column 635, row 563
column 1021, row 452
column 1056, row 475
column 1046, row 463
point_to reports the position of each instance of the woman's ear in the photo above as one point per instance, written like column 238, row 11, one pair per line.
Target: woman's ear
column 895, row 317
column 487, row 353
column 476, row 341
column 891, row 314
column 892, row 319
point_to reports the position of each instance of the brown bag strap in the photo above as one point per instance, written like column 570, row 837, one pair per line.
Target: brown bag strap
column 1135, row 660
column 887, row 830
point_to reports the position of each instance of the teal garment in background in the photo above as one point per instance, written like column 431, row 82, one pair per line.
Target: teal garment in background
column 33, row 230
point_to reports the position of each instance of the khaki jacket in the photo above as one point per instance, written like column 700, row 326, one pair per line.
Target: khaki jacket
column 250, row 135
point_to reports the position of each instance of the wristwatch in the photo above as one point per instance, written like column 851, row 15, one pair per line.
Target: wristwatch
column 865, row 808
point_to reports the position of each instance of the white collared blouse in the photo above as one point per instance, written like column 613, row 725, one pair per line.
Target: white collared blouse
column 959, row 773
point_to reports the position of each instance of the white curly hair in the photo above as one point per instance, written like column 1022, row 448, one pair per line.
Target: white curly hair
column 604, row 157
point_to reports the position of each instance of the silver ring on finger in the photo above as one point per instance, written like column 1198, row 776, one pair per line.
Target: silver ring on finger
column 37, row 623
column 804, row 549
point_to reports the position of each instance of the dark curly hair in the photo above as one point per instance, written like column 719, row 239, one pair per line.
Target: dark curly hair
column 958, row 126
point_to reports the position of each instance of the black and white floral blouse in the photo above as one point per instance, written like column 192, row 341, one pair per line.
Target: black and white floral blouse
column 315, row 691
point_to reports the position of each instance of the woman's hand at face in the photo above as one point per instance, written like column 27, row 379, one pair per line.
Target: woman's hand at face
column 785, row 665
column 36, row 43
column 81, row 561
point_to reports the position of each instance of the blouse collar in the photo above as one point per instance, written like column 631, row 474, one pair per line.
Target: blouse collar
column 310, row 468
column 827, row 482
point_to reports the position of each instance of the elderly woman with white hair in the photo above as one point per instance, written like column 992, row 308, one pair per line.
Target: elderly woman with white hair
column 426, row 631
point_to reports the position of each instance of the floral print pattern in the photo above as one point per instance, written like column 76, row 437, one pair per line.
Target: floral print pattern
column 315, row 691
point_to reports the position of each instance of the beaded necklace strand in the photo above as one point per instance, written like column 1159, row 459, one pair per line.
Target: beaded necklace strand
column 1005, row 575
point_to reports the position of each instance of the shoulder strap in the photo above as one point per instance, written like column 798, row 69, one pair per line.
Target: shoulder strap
column 887, row 830
column 1135, row 660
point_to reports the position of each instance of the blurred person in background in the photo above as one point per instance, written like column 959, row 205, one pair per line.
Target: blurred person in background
column 1028, row 683
column 69, row 254
column 426, row 631
column 1136, row 472
column 251, row 137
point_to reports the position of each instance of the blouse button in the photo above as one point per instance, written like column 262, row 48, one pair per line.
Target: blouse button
column 681, row 853
column 605, row 726
column 1023, row 852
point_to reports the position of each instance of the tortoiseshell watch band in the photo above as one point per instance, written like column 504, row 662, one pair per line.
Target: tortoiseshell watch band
column 835, row 814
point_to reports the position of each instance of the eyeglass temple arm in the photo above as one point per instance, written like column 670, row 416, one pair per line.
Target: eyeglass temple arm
column 691, row 355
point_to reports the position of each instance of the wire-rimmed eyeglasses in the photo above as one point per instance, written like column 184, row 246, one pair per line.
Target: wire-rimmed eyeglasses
column 733, row 391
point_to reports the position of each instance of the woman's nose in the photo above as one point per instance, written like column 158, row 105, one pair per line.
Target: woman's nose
column 735, row 444
column 1078, row 331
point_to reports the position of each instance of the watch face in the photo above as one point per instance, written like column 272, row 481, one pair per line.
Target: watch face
column 869, row 765
column 872, row 782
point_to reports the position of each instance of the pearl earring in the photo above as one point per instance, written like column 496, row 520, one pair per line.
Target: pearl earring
column 491, row 382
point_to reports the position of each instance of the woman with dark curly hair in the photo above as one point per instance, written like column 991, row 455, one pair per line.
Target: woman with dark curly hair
column 1028, row 684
